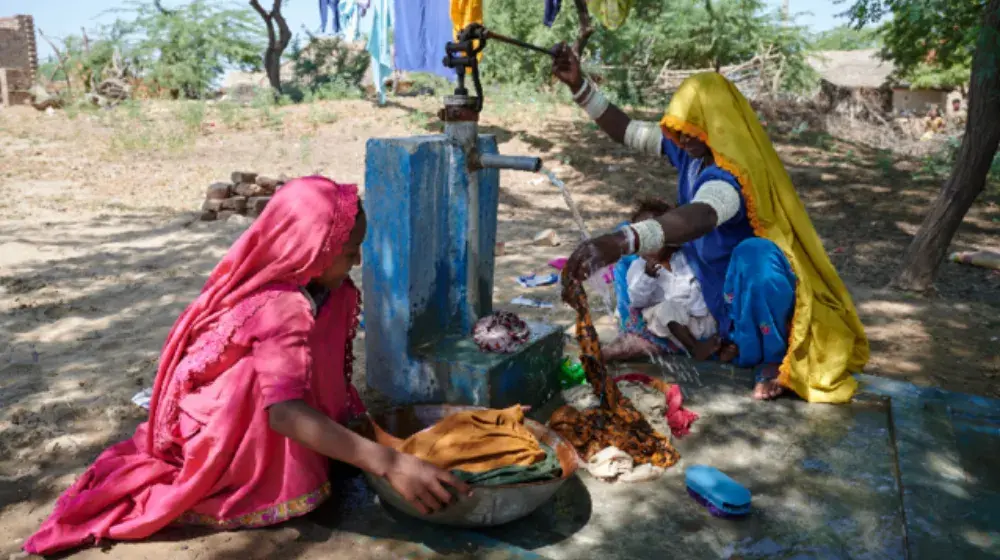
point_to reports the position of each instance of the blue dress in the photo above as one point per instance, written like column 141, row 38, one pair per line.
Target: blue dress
column 747, row 282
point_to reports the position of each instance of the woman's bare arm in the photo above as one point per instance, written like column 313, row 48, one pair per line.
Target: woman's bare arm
column 419, row 482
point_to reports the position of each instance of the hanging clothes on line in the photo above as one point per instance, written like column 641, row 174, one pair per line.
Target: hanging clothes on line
column 351, row 12
column 378, row 45
column 326, row 8
column 422, row 30
column 552, row 8
column 464, row 12
column 611, row 13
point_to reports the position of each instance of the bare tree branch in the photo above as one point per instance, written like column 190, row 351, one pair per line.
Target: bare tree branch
column 267, row 21
column 277, row 41
column 586, row 27
column 62, row 60
column 162, row 10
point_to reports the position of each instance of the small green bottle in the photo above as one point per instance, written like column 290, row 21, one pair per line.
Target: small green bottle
column 571, row 374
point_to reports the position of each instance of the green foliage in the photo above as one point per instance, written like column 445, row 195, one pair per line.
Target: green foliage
column 945, row 29
column 934, row 76
column 327, row 68
column 185, row 50
column 687, row 33
column 847, row 38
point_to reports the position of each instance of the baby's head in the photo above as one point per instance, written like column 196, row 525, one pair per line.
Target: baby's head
column 648, row 209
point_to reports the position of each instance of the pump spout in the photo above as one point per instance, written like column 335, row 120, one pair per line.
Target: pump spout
column 516, row 163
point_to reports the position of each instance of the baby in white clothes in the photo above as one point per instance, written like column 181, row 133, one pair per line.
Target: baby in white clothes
column 664, row 288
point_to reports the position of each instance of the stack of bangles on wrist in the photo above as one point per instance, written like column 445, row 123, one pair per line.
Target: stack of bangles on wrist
column 591, row 99
column 643, row 237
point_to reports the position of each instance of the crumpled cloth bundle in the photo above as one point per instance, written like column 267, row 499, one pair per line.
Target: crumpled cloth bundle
column 614, row 465
column 502, row 332
column 615, row 422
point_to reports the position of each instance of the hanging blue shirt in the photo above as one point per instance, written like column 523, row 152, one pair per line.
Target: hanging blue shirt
column 378, row 45
column 709, row 255
column 423, row 27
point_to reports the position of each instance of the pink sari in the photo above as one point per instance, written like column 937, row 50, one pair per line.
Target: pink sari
column 251, row 339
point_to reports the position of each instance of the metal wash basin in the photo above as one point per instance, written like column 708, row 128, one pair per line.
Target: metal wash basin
column 489, row 505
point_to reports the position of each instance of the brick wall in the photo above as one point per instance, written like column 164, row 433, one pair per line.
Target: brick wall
column 19, row 54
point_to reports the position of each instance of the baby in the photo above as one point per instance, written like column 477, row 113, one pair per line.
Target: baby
column 664, row 288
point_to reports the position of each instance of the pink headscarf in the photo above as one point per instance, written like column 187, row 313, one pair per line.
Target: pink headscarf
column 304, row 226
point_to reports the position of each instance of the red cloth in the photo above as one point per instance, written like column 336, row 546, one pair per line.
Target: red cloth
column 207, row 454
column 678, row 417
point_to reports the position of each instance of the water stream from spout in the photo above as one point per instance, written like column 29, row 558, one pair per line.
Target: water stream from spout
column 569, row 201
column 681, row 372
column 597, row 282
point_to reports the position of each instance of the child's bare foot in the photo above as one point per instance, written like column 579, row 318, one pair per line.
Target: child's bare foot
column 704, row 349
column 728, row 352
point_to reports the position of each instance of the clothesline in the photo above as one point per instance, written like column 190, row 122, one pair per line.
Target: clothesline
column 421, row 28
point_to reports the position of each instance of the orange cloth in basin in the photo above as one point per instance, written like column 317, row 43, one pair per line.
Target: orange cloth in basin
column 477, row 441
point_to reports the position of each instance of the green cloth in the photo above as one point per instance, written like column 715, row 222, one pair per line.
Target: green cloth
column 548, row 468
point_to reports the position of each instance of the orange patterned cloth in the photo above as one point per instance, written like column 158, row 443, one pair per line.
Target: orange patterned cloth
column 615, row 422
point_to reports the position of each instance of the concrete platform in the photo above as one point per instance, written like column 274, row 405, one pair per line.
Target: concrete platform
column 467, row 375
column 903, row 472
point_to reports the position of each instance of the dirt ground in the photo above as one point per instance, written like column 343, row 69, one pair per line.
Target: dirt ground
column 100, row 250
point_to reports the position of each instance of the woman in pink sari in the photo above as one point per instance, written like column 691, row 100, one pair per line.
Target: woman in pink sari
column 251, row 394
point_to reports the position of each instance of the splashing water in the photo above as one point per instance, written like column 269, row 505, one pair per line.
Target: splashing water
column 684, row 373
column 596, row 284
column 569, row 202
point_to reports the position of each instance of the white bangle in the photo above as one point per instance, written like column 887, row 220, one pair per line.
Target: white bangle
column 596, row 104
column 650, row 234
column 584, row 90
column 644, row 137
column 630, row 237
column 722, row 197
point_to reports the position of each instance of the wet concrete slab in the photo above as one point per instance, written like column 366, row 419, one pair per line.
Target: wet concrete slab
column 902, row 472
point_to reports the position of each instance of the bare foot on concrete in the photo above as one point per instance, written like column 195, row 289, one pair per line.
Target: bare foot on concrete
column 766, row 385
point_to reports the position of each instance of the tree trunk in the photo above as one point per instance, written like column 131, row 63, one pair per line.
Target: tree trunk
column 979, row 146
column 277, row 41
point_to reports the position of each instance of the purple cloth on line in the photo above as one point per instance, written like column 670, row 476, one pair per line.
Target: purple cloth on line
column 422, row 28
column 552, row 8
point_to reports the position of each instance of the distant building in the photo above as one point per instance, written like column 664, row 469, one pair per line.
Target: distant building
column 862, row 74
column 18, row 59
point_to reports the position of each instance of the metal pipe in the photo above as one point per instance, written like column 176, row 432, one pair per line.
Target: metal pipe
column 516, row 163
column 518, row 43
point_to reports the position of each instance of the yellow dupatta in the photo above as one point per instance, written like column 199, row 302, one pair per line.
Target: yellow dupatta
column 827, row 341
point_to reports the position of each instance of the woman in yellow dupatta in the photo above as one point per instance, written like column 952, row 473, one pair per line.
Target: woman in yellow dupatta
column 762, row 268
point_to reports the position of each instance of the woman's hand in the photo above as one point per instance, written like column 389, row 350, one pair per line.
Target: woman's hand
column 652, row 269
column 591, row 256
column 566, row 67
column 421, row 483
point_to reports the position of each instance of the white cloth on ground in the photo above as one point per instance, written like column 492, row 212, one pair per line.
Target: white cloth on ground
column 673, row 296
column 143, row 398
column 612, row 464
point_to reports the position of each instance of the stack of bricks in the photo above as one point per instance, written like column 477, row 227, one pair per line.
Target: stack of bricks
column 247, row 195
column 18, row 59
